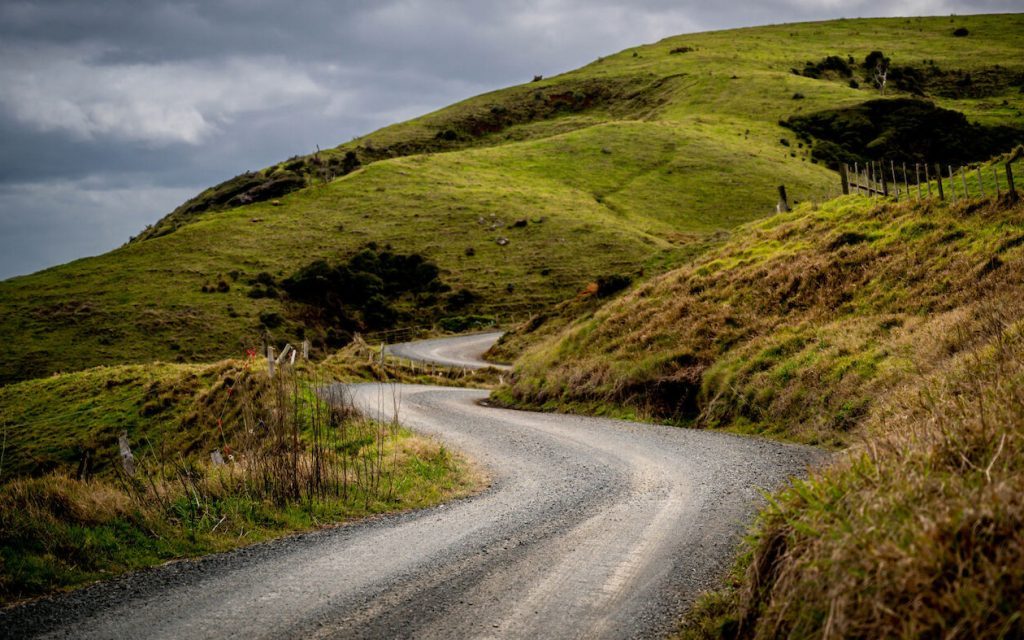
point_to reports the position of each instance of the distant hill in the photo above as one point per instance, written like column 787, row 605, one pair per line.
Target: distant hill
column 519, row 197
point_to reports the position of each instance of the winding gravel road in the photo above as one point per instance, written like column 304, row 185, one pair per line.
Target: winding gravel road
column 457, row 351
column 590, row 528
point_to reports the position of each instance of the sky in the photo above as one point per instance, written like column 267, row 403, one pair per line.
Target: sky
column 113, row 112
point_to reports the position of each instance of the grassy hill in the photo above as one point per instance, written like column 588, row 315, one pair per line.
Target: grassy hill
column 520, row 196
column 794, row 327
column 891, row 331
column 70, row 515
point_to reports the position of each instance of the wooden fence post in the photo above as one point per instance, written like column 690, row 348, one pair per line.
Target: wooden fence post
column 906, row 182
column 856, row 174
column 127, row 459
column 783, row 205
column 270, row 360
column 881, row 177
column 917, row 179
column 283, row 356
column 952, row 184
column 844, row 177
column 981, row 185
column 895, row 185
column 963, row 178
column 1009, row 180
column 995, row 177
column 305, row 349
column 938, row 181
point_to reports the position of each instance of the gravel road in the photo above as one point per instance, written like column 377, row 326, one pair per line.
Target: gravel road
column 591, row 528
column 458, row 351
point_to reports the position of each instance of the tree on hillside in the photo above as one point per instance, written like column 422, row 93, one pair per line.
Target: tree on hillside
column 877, row 66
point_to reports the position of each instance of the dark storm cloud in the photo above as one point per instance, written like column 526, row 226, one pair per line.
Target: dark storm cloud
column 113, row 112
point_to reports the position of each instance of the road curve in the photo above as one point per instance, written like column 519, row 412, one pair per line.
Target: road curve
column 592, row 528
column 458, row 351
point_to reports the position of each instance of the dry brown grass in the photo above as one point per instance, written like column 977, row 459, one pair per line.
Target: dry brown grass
column 916, row 532
column 295, row 460
column 794, row 327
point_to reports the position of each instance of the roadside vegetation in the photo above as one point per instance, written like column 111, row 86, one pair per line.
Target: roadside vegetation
column 793, row 327
column 889, row 331
column 916, row 530
column 521, row 196
column 221, row 456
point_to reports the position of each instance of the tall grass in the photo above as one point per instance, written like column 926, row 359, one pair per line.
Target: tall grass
column 294, row 457
column 294, row 443
column 915, row 533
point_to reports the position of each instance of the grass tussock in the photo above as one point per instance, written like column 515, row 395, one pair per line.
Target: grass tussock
column 916, row 532
column 795, row 326
column 285, row 458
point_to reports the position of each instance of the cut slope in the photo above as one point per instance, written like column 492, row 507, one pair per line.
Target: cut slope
column 611, row 167
column 914, row 534
column 795, row 326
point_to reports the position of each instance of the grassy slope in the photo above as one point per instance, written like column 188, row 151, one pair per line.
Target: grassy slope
column 894, row 330
column 793, row 326
column 915, row 533
column 58, row 531
column 673, row 147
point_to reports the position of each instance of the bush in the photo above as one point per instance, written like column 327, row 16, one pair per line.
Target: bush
column 607, row 285
column 360, row 293
column 460, row 324
column 962, row 32
column 349, row 163
column 271, row 320
column 460, row 299
column 832, row 65
column 901, row 130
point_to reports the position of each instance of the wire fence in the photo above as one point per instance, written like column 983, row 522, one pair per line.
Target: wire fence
column 925, row 180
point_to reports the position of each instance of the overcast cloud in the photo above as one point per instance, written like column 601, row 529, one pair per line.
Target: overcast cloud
column 114, row 112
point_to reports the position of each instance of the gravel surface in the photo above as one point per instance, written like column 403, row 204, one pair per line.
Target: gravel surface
column 591, row 528
column 459, row 351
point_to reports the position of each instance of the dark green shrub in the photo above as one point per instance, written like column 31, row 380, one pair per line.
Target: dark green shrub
column 271, row 320
column 901, row 130
column 360, row 293
column 460, row 299
column 460, row 324
column 608, row 285
column 349, row 163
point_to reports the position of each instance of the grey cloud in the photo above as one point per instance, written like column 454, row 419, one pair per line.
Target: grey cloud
column 114, row 111
column 58, row 221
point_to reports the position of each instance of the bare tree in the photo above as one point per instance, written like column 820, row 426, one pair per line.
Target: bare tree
column 877, row 66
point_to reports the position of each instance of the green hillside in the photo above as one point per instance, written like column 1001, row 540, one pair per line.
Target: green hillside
column 891, row 332
column 794, row 327
column 520, row 197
